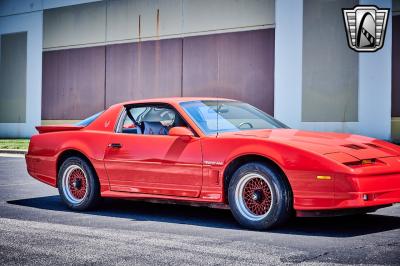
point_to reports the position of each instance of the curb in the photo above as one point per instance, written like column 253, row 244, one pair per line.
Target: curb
column 13, row 151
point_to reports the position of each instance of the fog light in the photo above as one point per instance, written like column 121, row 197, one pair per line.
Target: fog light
column 365, row 197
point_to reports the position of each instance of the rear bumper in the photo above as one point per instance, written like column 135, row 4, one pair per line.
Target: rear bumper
column 41, row 168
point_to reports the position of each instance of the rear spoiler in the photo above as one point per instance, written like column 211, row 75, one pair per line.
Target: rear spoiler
column 55, row 128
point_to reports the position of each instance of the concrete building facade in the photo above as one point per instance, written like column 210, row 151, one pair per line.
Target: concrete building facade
column 63, row 60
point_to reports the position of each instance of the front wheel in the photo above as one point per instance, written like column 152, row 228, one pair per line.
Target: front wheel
column 78, row 184
column 259, row 196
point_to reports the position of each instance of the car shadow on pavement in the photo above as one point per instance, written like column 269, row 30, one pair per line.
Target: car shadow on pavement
column 346, row 226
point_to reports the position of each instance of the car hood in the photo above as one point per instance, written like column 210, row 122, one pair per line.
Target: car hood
column 357, row 146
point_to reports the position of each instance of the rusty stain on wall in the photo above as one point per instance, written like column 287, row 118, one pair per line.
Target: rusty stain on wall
column 158, row 24
column 139, row 57
column 139, row 27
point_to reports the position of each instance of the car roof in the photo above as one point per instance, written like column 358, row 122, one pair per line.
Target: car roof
column 172, row 100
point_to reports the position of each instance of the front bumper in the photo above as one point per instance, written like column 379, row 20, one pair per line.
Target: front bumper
column 363, row 187
column 366, row 191
column 358, row 194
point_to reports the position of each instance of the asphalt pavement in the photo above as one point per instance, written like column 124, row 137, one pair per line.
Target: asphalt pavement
column 36, row 228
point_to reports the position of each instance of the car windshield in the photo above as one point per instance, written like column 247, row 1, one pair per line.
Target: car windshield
column 85, row 122
column 214, row 116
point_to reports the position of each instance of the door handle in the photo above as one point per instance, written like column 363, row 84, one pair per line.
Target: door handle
column 115, row 145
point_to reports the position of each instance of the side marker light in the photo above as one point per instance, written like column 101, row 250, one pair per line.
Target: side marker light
column 324, row 177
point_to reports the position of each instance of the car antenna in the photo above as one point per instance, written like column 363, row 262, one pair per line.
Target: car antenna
column 217, row 116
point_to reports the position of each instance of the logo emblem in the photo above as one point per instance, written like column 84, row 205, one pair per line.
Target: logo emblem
column 365, row 27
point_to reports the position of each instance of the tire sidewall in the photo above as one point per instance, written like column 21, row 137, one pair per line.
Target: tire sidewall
column 278, row 190
column 91, row 180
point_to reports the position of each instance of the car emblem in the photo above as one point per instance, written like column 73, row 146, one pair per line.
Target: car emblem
column 365, row 27
column 107, row 123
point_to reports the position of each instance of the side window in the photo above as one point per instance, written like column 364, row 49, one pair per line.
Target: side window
column 151, row 120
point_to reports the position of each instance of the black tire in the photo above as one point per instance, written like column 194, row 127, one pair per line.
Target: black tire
column 91, row 197
column 275, row 199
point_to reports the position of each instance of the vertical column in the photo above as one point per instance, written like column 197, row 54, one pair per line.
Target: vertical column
column 288, row 61
column 32, row 23
column 374, row 77
column 375, row 83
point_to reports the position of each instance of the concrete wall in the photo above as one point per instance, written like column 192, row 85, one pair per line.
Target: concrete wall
column 82, row 23
column 14, row 7
column 138, row 49
column 13, row 77
column 119, row 21
column 396, row 71
column 288, row 61
column 330, row 68
column 396, row 7
column 74, row 25
column 374, row 77
column 161, row 20
column 32, row 24
column 235, row 65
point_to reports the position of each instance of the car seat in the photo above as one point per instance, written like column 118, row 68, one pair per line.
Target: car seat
column 154, row 128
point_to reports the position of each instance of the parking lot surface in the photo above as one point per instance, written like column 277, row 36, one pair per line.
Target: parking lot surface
column 36, row 228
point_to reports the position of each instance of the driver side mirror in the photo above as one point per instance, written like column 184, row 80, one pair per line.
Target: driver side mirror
column 180, row 132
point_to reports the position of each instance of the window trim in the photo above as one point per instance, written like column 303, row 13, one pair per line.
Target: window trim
column 122, row 116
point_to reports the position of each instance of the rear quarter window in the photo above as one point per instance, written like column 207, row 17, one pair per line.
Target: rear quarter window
column 87, row 121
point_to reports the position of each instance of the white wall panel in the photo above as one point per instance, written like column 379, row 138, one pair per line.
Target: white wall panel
column 47, row 4
column 31, row 23
column 12, row 7
column 117, row 21
column 123, row 19
column 209, row 15
column 375, row 84
column 13, row 77
column 74, row 25
column 374, row 77
column 288, row 61
column 330, row 68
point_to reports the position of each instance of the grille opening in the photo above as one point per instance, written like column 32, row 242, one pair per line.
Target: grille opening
column 364, row 162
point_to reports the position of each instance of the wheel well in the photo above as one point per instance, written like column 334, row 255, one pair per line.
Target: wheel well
column 71, row 153
column 242, row 160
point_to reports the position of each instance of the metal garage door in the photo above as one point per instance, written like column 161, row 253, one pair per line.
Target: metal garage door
column 82, row 81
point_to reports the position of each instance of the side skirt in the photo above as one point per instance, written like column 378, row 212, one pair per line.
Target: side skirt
column 164, row 199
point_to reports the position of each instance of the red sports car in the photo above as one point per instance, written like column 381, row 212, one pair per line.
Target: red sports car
column 218, row 152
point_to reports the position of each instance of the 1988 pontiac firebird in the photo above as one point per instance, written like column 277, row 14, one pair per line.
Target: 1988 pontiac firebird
column 216, row 152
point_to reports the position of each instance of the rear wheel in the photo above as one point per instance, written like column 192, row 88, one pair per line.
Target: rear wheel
column 78, row 184
column 259, row 196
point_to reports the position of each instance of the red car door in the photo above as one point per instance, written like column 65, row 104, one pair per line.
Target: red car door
column 154, row 164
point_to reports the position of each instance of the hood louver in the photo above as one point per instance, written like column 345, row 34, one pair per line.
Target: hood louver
column 373, row 145
column 354, row 147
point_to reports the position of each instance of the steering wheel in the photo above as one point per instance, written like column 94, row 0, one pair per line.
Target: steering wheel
column 168, row 115
column 246, row 123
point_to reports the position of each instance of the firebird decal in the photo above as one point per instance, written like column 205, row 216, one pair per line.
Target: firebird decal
column 213, row 163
